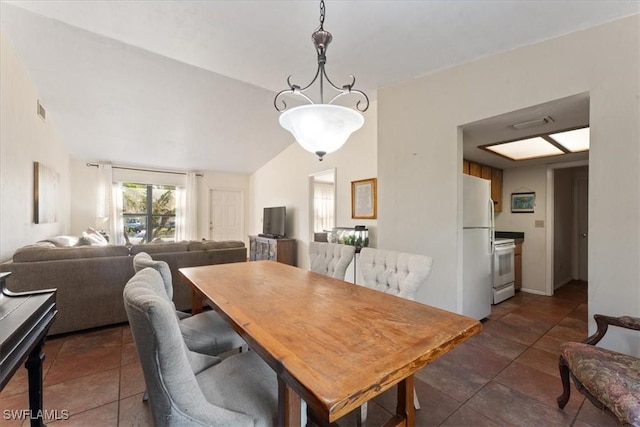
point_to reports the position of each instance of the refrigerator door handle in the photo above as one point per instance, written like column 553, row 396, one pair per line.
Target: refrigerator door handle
column 491, row 228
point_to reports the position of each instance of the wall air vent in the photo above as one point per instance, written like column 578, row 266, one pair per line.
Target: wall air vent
column 42, row 113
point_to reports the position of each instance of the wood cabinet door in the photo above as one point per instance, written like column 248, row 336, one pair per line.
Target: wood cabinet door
column 496, row 189
column 475, row 169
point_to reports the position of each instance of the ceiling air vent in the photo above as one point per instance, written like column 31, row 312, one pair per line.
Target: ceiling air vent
column 42, row 113
column 533, row 123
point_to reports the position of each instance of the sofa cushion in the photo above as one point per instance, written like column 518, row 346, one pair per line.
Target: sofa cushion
column 39, row 253
column 159, row 248
column 206, row 245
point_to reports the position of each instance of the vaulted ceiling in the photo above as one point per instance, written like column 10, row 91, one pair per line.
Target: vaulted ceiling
column 190, row 85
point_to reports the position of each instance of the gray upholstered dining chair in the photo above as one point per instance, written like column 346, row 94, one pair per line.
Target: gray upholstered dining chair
column 330, row 259
column 204, row 332
column 187, row 388
column 395, row 273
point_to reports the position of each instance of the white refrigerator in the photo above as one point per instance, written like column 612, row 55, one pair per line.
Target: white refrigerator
column 477, row 242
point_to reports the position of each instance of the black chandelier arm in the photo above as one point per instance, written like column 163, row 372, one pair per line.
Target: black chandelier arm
column 339, row 89
column 350, row 91
column 313, row 80
column 295, row 90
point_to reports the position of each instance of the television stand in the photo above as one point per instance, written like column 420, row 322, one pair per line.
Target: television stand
column 271, row 236
column 278, row 249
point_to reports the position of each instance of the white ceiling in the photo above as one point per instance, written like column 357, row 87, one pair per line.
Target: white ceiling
column 190, row 85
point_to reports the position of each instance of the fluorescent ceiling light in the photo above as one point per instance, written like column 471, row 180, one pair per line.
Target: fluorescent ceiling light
column 573, row 140
column 525, row 149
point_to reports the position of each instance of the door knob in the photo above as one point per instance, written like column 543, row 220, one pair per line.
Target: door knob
column 583, row 235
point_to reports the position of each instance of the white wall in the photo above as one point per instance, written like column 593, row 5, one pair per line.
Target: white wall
column 534, row 261
column 85, row 180
column 420, row 156
column 24, row 139
column 284, row 181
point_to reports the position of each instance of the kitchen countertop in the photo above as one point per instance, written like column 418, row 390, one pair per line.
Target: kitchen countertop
column 509, row 235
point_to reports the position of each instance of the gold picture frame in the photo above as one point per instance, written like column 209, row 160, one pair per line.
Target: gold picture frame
column 364, row 203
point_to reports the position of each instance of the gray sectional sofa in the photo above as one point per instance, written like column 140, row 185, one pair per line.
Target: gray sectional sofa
column 90, row 279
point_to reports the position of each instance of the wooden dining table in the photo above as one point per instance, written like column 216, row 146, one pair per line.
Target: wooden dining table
column 333, row 344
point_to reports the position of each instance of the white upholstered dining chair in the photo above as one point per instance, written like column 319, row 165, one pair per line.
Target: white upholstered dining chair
column 396, row 273
column 330, row 259
column 205, row 332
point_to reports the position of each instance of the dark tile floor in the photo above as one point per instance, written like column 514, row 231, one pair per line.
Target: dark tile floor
column 505, row 376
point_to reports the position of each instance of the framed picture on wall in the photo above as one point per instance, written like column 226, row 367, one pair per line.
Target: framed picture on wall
column 363, row 199
column 523, row 202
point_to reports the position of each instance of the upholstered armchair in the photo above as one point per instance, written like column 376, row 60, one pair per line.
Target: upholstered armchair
column 330, row 259
column 610, row 380
column 187, row 388
column 204, row 332
column 396, row 273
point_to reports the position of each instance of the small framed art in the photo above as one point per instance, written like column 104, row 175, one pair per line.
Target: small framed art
column 523, row 202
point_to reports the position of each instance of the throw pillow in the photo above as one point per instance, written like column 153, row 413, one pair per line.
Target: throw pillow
column 64, row 241
column 83, row 241
column 95, row 237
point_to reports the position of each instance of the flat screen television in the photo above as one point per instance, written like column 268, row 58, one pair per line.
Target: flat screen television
column 274, row 222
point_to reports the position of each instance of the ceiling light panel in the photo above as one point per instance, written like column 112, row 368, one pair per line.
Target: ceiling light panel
column 525, row 149
column 573, row 140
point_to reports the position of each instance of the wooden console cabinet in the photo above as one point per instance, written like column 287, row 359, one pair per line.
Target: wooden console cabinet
column 280, row 250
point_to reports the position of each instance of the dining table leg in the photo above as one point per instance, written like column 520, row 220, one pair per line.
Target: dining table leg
column 196, row 300
column 405, row 411
column 289, row 405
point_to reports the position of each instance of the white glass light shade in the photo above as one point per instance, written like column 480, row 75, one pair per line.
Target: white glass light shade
column 321, row 128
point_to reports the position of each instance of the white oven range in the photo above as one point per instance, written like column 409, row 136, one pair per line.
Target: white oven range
column 503, row 270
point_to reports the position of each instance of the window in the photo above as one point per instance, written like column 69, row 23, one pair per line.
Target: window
column 149, row 212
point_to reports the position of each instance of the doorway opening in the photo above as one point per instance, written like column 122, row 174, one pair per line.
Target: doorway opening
column 570, row 231
column 322, row 203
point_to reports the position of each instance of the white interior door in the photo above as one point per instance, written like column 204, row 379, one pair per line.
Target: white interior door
column 226, row 214
column 582, row 185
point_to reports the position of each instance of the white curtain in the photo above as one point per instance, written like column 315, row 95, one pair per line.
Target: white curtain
column 108, row 199
column 104, row 196
column 187, row 209
column 116, row 221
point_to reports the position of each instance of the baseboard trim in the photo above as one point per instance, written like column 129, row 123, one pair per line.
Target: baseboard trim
column 562, row 283
column 533, row 291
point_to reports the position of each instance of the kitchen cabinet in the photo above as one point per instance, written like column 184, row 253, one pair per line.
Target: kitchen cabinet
column 496, row 189
column 487, row 172
column 465, row 167
column 517, row 261
column 475, row 169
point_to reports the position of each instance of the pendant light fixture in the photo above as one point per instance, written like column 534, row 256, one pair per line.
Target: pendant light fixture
column 321, row 128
